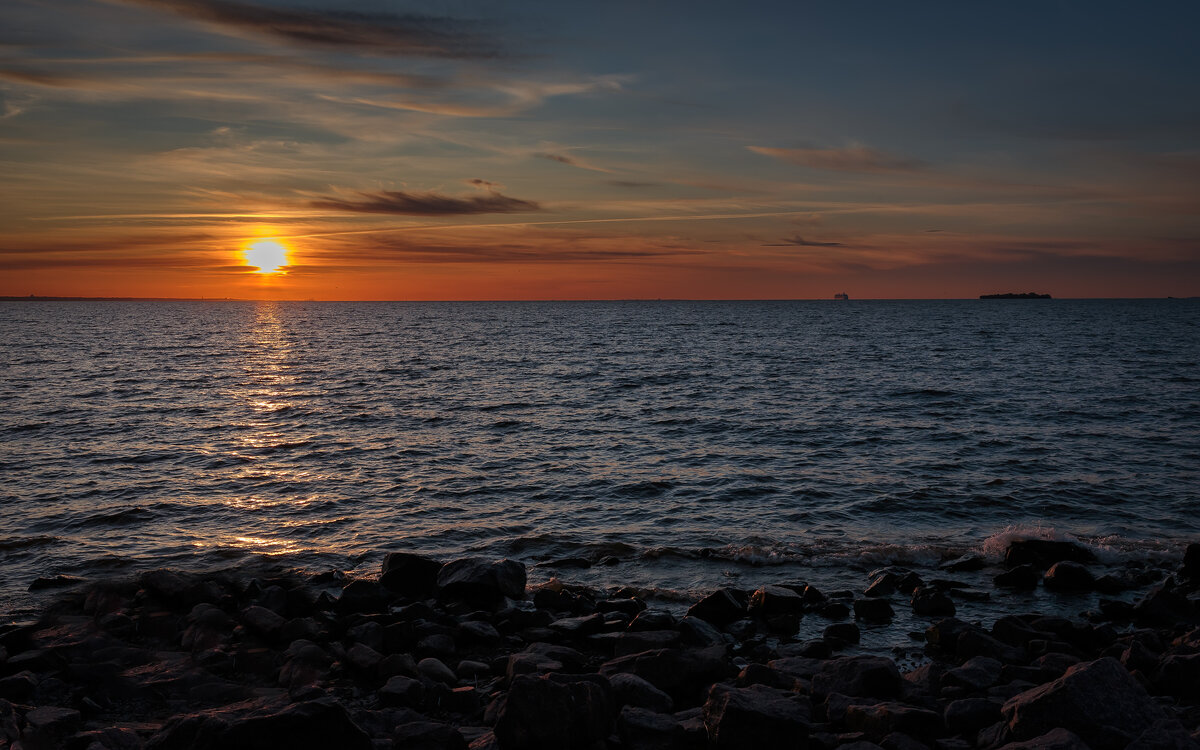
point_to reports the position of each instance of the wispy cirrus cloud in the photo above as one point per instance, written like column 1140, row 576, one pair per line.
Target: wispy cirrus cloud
column 798, row 241
column 378, row 33
column 399, row 202
column 849, row 159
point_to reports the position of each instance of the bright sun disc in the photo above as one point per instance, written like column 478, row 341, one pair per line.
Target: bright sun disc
column 268, row 256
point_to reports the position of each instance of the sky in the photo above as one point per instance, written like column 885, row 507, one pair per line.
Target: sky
column 617, row 150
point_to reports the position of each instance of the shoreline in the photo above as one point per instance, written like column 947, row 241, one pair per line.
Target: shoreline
column 435, row 655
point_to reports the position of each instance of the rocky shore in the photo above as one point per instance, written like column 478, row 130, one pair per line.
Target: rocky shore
column 463, row 654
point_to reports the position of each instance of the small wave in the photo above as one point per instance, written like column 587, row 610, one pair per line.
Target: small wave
column 25, row 542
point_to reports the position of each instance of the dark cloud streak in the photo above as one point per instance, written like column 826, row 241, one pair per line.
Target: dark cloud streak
column 798, row 241
column 428, row 204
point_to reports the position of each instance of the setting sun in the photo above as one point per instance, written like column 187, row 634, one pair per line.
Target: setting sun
column 268, row 256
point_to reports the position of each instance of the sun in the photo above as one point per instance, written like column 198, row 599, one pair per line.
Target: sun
column 268, row 256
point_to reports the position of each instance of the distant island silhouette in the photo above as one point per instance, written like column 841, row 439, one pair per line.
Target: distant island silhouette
column 1012, row 295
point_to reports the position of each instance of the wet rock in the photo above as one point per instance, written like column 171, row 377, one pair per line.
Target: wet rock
column 873, row 611
column 842, row 634
column 18, row 687
column 55, row 582
column 304, row 664
column 312, row 725
column 755, row 717
column 1164, row 735
column 1042, row 553
column 684, row 674
column 1022, row 577
column 628, row 606
column 481, row 581
column 858, row 676
column 771, row 601
column 1098, row 700
column 475, row 632
column 834, row 611
column 930, row 602
column 1165, row 605
column 362, row 595
column 964, row 564
column 882, row 719
column 635, row 643
column 48, row 726
column 578, row 627
column 974, row 642
column 1055, row 739
column 414, row 576
column 883, row 585
column 1179, row 675
column 1068, row 576
column 631, row 690
column 554, row 711
column 720, row 608
column 652, row 619
column 364, row 659
column 1191, row 561
column 427, row 735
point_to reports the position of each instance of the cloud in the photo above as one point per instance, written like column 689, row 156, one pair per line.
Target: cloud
column 379, row 33
column 850, row 159
column 429, row 204
column 558, row 158
column 633, row 183
column 798, row 241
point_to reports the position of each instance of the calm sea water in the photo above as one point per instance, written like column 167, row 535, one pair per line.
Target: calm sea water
column 700, row 443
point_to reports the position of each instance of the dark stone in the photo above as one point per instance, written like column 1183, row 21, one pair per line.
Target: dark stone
column 635, row 643
column 977, row 674
column 1023, row 577
column 834, row 611
column 883, row 585
column 968, row 716
column 579, row 627
column 427, row 735
column 696, row 632
column 262, row 621
column 930, row 602
column 975, row 642
column 629, row 606
column 554, row 711
column 873, row 611
column 643, row 729
column 437, row 671
column 858, row 676
column 414, row 576
column 882, row 719
column 48, row 726
column 1068, row 576
column 18, row 687
column 1042, row 553
column 964, row 564
column 1055, row 739
column 54, row 582
column 754, row 717
column 313, row 725
column 685, row 675
column 1164, row 605
column 652, row 619
column 1179, row 675
column 720, row 608
column 631, row 690
column 770, row 601
column 1191, row 561
column 362, row 595
column 1165, row 735
column 482, row 581
column 1098, row 700
column 842, row 633
column 475, row 632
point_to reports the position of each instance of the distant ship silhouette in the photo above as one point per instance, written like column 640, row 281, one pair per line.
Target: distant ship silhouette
column 1011, row 295
column 841, row 295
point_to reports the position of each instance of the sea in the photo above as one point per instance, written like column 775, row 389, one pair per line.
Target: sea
column 672, row 447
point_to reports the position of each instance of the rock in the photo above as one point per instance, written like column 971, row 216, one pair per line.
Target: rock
column 976, row 674
column 858, row 676
column 364, row 659
column 312, row 725
column 1179, row 675
column 975, row 642
column 475, row 632
column 481, row 581
column 401, row 691
column 635, row 643
column 1164, row 735
column 884, row 585
column 1055, row 739
column 652, row 619
column 627, row 606
column 930, row 602
column 696, row 632
column 47, row 726
column 873, row 611
column 833, row 610
column 1164, row 605
column 754, row 717
column 1022, row 577
column 427, row 735
column 771, row 601
column 720, row 608
column 631, row 690
column 18, row 687
column 969, row 715
column 965, row 564
column 435, row 670
column 1068, row 576
column 263, row 621
column 1042, row 553
column 882, row 719
column 414, row 576
column 1098, row 700
column 685, row 675
column 642, row 729
column 842, row 634
column 362, row 595
column 1191, row 561
column 554, row 711
column 578, row 627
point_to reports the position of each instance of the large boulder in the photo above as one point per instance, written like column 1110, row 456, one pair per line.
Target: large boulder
column 1098, row 700
column 1055, row 739
column 881, row 719
column 755, row 717
column 858, row 676
column 1069, row 576
column 554, row 711
column 1191, row 561
column 720, row 608
column 1042, row 553
column 481, row 581
column 772, row 601
column 684, row 674
column 410, row 575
